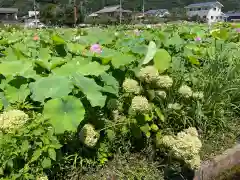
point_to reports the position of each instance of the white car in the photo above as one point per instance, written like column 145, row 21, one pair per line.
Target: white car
column 35, row 24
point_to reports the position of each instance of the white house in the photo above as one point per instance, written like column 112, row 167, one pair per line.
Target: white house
column 157, row 12
column 209, row 11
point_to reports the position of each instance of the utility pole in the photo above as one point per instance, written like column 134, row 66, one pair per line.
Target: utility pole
column 143, row 7
column 120, row 12
column 75, row 12
column 34, row 8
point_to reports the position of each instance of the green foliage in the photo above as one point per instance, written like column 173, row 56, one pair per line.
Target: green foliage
column 28, row 151
column 144, row 85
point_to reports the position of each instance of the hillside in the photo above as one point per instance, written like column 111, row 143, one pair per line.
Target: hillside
column 92, row 5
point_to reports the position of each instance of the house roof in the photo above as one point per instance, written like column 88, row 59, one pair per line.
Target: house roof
column 154, row 11
column 111, row 9
column 8, row 10
column 203, row 4
column 233, row 14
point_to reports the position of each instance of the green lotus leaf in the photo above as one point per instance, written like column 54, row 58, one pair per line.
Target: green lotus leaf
column 90, row 88
column 50, row 87
column 65, row 114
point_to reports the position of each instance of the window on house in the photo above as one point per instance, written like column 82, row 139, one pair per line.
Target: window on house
column 190, row 9
column 211, row 17
column 199, row 9
column 204, row 17
column 214, row 9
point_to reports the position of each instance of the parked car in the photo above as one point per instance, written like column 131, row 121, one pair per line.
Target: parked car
column 35, row 24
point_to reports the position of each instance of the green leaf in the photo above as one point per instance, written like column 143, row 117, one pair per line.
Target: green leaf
column 14, row 68
column 17, row 95
column 50, row 87
column 111, row 85
column 146, row 128
column 65, row 114
column 52, row 153
column 90, row 88
column 25, row 146
column 111, row 134
column 152, row 49
column 120, row 59
column 81, row 66
column 160, row 114
column 57, row 40
column 75, row 48
column 44, row 54
column 193, row 60
column 162, row 60
column 37, row 153
column 46, row 163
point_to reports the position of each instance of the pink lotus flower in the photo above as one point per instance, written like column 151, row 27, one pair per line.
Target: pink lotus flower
column 96, row 48
column 35, row 37
column 198, row 39
column 238, row 30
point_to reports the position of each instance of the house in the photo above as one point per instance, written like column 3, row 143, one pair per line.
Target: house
column 8, row 14
column 157, row 12
column 209, row 11
column 113, row 11
column 233, row 16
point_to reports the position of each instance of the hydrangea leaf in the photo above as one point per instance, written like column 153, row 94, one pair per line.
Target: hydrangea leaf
column 50, row 87
column 90, row 88
column 152, row 49
column 17, row 95
column 162, row 60
column 65, row 114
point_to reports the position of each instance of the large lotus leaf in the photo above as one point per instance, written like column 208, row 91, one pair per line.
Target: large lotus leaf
column 120, row 59
column 90, row 88
column 81, row 66
column 75, row 48
column 65, row 114
column 162, row 60
column 58, row 40
column 52, row 63
column 111, row 85
column 152, row 49
column 13, row 68
column 14, row 94
column 50, row 87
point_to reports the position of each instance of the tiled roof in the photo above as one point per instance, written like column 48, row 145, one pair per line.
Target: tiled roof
column 233, row 14
column 203, row 4
column 8, row 10
column 108, row 9
column 154, row 11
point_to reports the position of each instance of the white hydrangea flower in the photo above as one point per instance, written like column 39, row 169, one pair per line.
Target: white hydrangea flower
column 13, row 119
column 43, row 177
column 88, row 135
column 164, row 81
column 198, row 95
column 131, row 86
column 161, row 94
column 186, row 146
column 185, row 91
column 140, row 104
column 148, row 74
column 175, row 106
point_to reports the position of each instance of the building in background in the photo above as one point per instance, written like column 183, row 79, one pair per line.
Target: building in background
column 208, row 11
column 113, row 11
column 233, row 16
column 8, row 14
column 157, row 12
